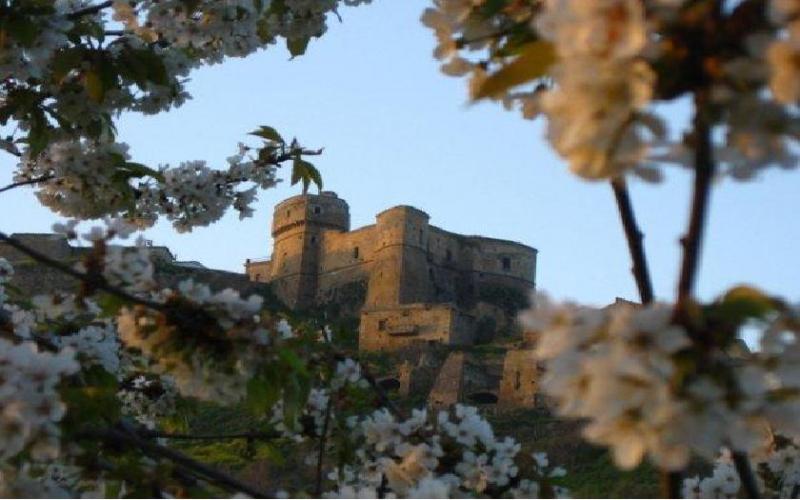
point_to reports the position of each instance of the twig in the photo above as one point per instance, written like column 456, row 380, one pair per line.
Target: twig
column 210, row 437
column 289, row 155
column 641, row 273
column 97, row 282
column 127, row 434
column 704, row 172
column 742, row 464
column 671, row 484
column 25, row 183
column 373, row 383
column 87, row 11
column 322, row 442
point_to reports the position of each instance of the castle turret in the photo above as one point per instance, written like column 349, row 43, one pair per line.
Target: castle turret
column 400, row 272
column 298, row 228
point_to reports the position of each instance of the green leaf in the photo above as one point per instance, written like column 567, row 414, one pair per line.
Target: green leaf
column 24, row 30
column 110, row 304
column 744, row 302
column 93, row 84
column 39, row 134
column 532, row 63
column 306, row 172
column 293, row 360
column 268, row 133
column 297, row 46
column 94, row 401
column 139, row 170
column 262, row 393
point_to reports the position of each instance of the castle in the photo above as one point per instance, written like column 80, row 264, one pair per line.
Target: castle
column 410, row 282
column 419, row 291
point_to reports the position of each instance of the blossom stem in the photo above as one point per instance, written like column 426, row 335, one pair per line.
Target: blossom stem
column 126, row 434
column 742, row 464
column 671, row 484
column 383, row 398
column 96, row 282
column 704, row 173
column 92, row 9
column 322, row 442
column 634, row 235
column 211, row 437
column 25, row 183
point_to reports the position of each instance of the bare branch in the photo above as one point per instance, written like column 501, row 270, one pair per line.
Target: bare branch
column 322, row 442
column 634, row 236
column 745, row 471
column 127, row 434
column 97, row 282
column 671, row 484
column 26, row 183
column 211, row 437
column 87, row 11
column 383, row 398
column 704, row 172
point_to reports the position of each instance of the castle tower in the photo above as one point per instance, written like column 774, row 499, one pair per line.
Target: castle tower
column 400, row 271
column 298, row 229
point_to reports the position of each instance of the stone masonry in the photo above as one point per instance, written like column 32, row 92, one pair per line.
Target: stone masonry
column 420, row 283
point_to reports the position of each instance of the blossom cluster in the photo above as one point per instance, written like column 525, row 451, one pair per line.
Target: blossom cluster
column 602, row 86
column 63, row 91
column 318, row 406
column 595, row 70
column 147, row 398
column 207, row 341
column 31, row 406
column 94, row 179
column 724, row 481
column 459, row 26
column 777, row 473
column 407, row 457
column 645, row 389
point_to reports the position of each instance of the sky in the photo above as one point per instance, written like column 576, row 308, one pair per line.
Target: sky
column 397, row 131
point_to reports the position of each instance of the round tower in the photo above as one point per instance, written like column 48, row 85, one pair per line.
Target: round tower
column 298, row 228
column 400, row 275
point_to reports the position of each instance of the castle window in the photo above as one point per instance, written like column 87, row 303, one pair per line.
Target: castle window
column 449, row 255
column 506, row 263
column 420, row 236
column 317, row 210
column 382, row 325
column 288, row 213
column 355, row 253
column 313, row 240
column 430, row 273
column 258, row 277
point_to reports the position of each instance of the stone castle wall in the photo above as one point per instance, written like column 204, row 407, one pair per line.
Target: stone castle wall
column 520, row 381
column 401, row 259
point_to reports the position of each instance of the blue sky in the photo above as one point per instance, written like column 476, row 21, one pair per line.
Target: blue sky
column 397, row 131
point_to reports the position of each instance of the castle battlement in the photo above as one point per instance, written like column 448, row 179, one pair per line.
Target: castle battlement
column 399, row 271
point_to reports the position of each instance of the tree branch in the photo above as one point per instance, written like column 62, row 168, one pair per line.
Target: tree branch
column 322, row 442
column 25, row 183
column 742, row 464
column 97, row 282
column 671, row 484
column 211, row 437
column 87, row 11
column 124, row 433
column 634, row 236
column 383, row 398
column 704, row 173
